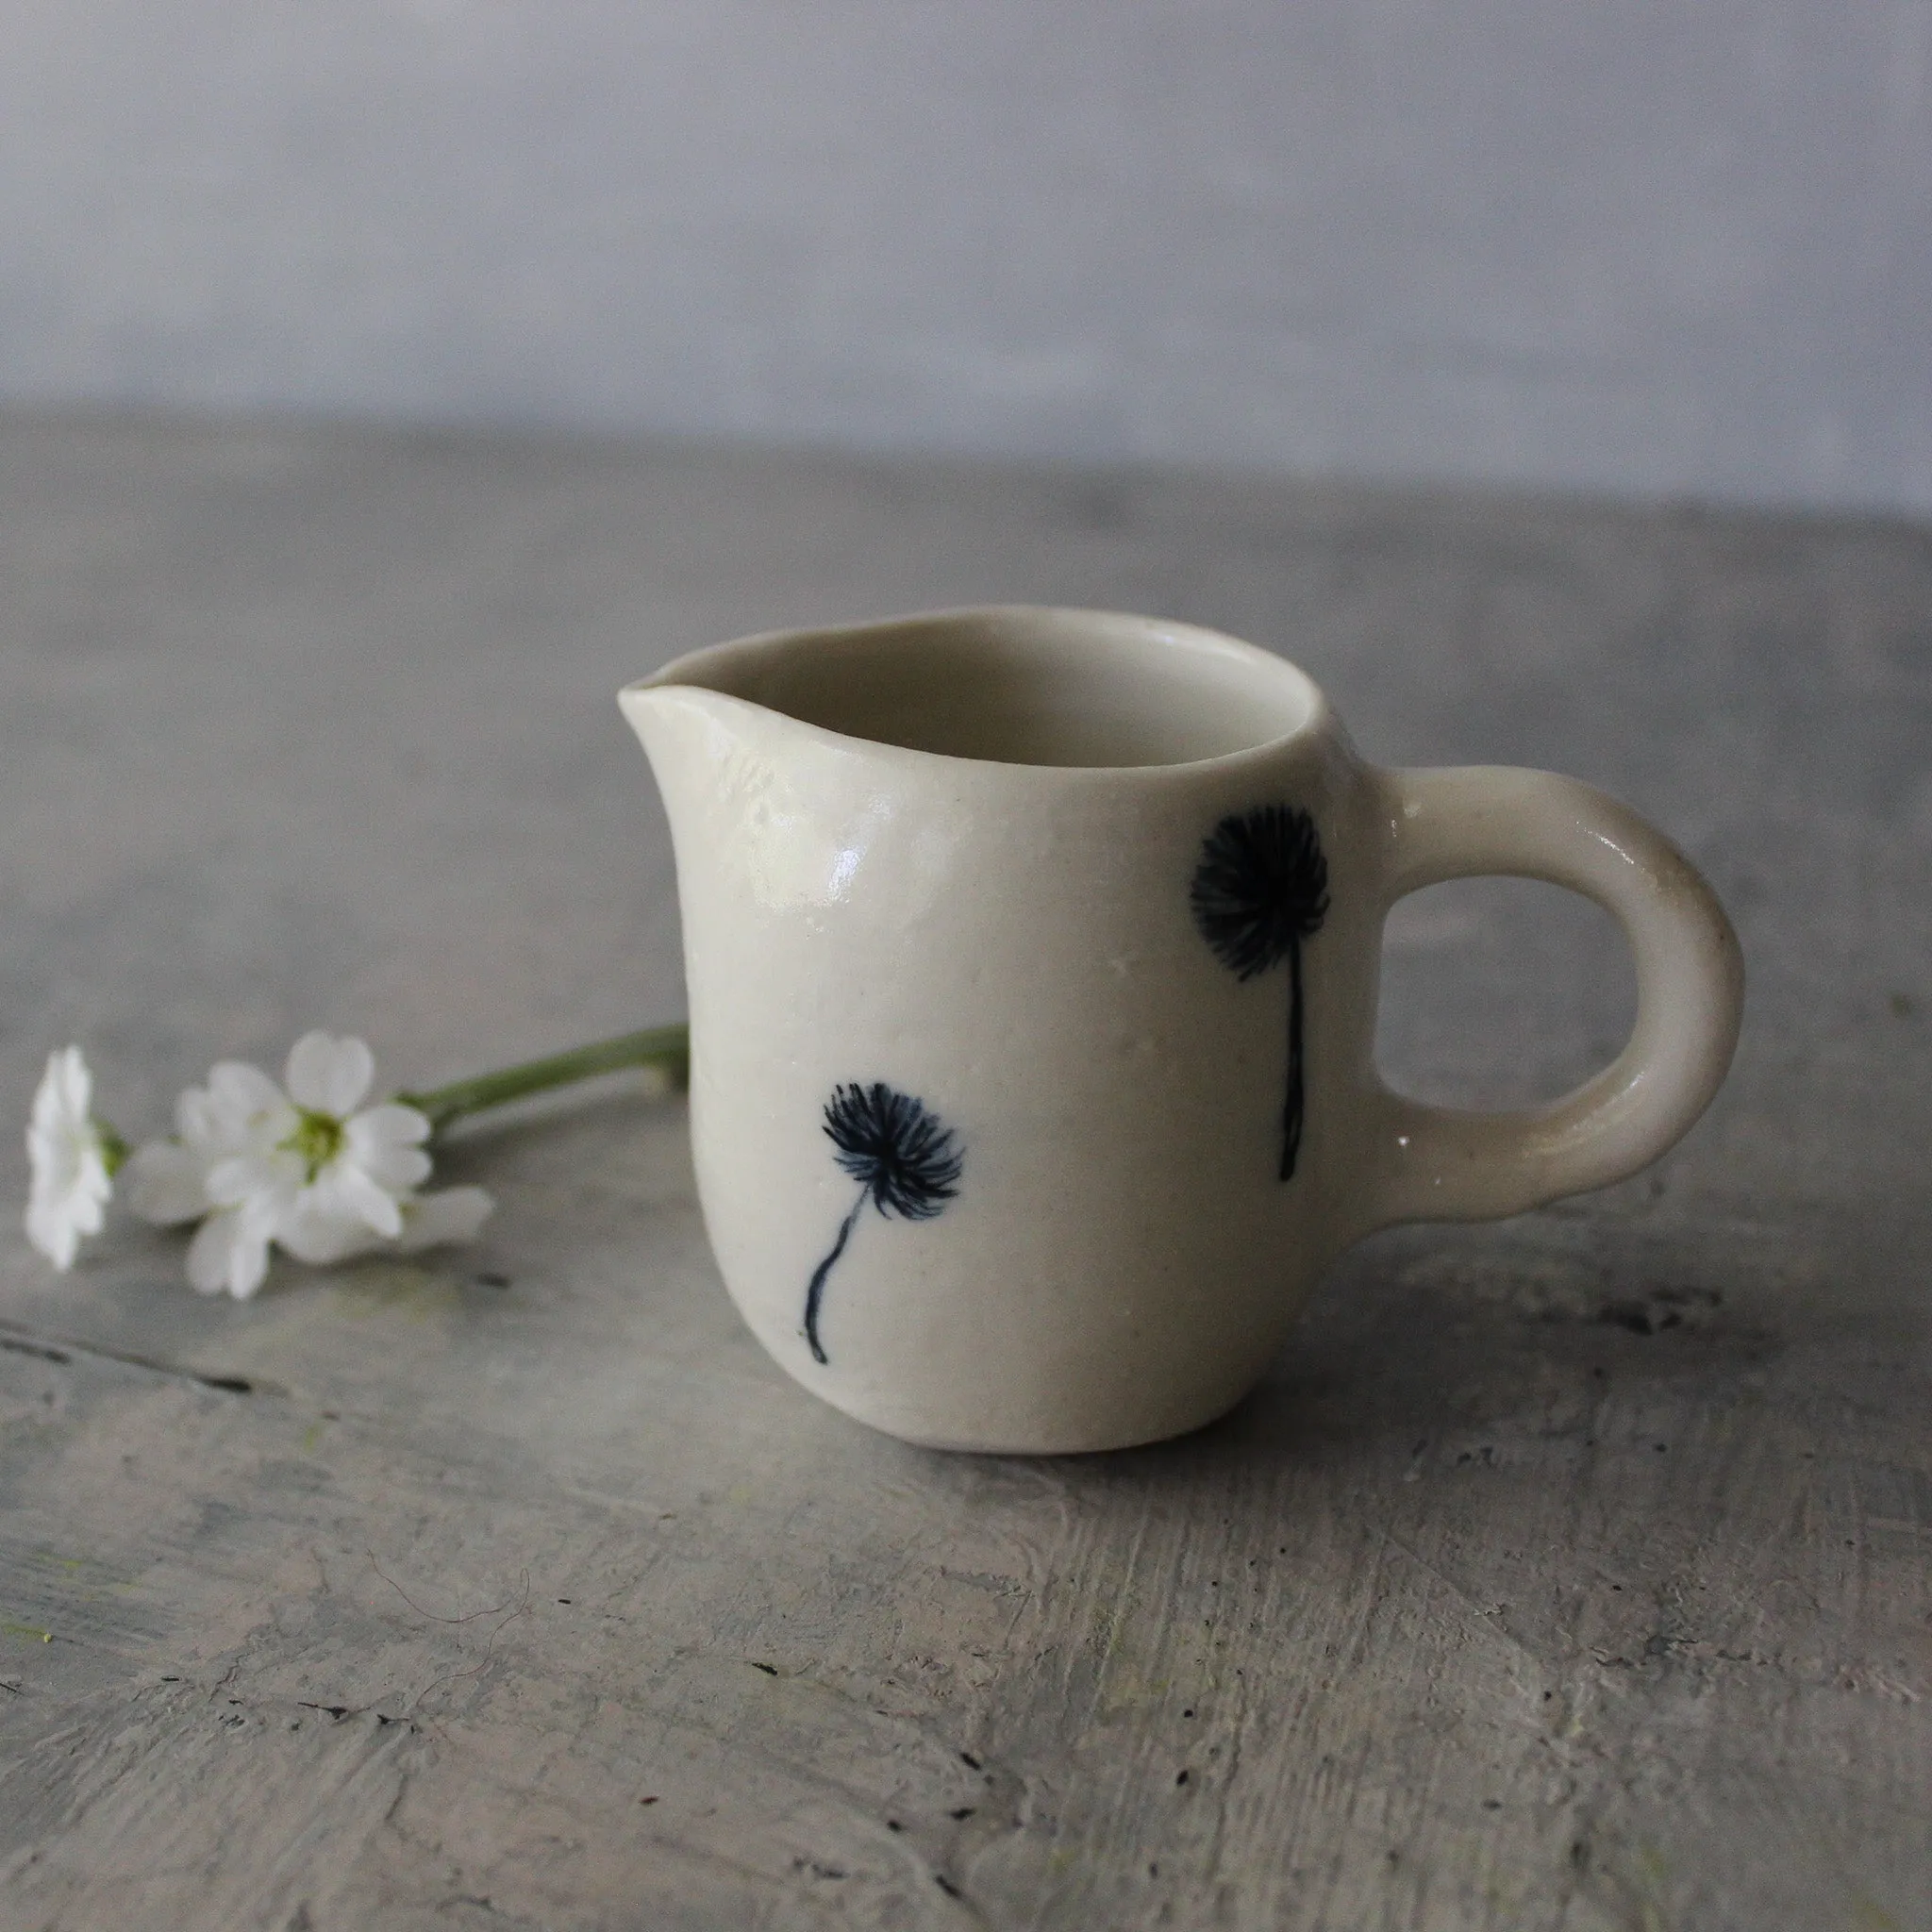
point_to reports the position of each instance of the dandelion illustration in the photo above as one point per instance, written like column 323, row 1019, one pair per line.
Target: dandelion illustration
column 1261, row 890
column 902, row 1158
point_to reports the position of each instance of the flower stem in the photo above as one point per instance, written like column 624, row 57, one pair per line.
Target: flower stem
column 1291, row 1107
column 666, row 1047
column 815, row 1293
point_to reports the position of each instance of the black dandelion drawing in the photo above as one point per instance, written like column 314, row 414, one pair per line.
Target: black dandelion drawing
column 1261, row 890
column 901, row 1156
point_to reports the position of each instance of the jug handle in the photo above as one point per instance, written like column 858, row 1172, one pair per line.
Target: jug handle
column 1438, row 1163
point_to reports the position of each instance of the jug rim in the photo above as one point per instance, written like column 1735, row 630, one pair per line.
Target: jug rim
column 1004, row 624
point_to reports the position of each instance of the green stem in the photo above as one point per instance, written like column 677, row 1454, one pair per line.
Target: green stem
column 114, row 1150
column 667, row 1047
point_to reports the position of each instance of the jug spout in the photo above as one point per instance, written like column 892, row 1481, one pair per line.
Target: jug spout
column 688, row 733
column 713, row 711
column 771, row 817
column 720, row 716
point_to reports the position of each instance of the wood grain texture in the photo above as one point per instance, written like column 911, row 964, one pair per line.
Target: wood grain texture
column 1574, row 1573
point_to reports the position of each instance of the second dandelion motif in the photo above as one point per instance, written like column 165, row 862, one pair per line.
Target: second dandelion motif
column 903, row 1160
column 1261, row 890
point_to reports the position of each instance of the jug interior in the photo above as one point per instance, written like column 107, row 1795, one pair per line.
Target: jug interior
column 1023, row 687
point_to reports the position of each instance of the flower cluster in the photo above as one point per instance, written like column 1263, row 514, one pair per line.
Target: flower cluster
column 303, row 1165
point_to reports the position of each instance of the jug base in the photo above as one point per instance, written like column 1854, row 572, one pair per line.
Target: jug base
column 1062, row 1434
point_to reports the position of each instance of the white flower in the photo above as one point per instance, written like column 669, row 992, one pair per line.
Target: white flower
column 72, row 1159
column 307, row 1169
column 241, row 1112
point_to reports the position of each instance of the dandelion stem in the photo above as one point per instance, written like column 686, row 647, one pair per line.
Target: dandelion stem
column 665, row 1047
column 1291, row 1107
column 816, row 1292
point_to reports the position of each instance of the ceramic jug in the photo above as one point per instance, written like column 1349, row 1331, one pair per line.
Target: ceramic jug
column 1032, row 960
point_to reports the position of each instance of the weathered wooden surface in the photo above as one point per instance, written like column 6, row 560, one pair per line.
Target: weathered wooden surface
column 1571, row 1572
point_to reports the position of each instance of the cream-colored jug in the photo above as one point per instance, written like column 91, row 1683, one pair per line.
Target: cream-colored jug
column 1032, row 959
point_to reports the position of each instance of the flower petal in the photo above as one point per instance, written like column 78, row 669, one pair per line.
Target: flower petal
column 384, row 1148
column 361, row 1197
column 313, row 1235
column 207, row 1252
column 245, row 1090
column 53, row 1231
column 229, row 1251
column 167, row 1184
column 239, row 1111
column 197, row 1120
column 330, row 1075
column 55, row 1159
column 273, row 1179
column 396, row 1170
column 451, row 1214
column 65, row 1094
column 391, row 1123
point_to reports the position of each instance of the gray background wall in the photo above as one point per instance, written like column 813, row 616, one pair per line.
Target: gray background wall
column 1621, row 244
